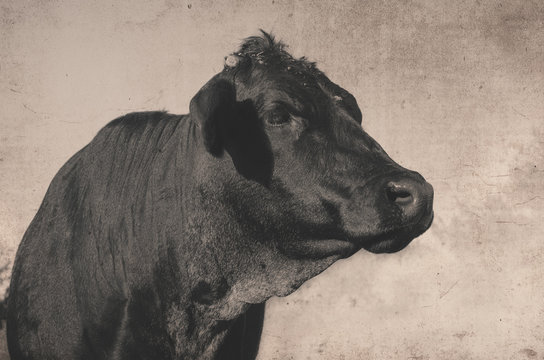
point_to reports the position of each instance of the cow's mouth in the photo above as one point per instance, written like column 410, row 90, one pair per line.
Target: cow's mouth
column 398, row 239
column 328, row 244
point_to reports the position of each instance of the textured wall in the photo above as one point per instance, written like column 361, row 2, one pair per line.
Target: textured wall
column 453, row 89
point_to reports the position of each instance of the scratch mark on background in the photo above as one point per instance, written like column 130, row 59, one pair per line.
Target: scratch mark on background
column 449, row 289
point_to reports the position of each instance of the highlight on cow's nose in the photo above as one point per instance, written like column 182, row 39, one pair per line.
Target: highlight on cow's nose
column 412, row 196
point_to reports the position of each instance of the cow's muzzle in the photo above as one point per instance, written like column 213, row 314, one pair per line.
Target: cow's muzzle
column 405, row 203
column 413, row 196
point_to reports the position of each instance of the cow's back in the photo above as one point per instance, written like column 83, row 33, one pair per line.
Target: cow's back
column 83, row 249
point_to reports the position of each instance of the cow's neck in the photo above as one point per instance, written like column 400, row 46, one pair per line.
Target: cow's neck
column 201, row 328
column 198, row 330
column 234, row 264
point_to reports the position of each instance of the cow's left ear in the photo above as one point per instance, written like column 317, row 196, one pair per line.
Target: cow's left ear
column 214, row 104
column 234, row 127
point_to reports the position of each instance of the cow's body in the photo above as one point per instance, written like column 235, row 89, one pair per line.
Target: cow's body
column 132, row 271
column 163, row 237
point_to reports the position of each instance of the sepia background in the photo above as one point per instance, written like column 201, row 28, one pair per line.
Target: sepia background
column 452, row 89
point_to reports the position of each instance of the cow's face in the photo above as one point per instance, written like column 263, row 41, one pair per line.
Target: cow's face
column 328, row 187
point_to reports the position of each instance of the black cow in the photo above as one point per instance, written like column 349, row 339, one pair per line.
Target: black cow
column 163, row 237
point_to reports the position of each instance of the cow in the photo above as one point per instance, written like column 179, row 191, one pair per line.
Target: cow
column 165, row 235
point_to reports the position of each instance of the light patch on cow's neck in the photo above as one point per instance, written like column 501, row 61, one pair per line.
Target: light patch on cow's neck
column 281, row 277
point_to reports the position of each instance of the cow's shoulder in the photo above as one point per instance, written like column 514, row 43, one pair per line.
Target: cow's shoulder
column 138, row 123
column 123, row 156
column 136, row 120
column 138, row 132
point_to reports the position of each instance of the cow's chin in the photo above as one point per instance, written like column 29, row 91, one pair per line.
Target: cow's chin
column 396, row 240
column 388, row 246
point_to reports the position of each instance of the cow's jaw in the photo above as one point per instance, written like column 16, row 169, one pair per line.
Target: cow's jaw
column 320, row 248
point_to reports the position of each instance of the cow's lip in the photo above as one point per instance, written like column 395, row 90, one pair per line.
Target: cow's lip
column 394, row 241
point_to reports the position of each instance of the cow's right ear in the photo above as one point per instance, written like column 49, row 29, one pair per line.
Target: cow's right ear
column 214, row 104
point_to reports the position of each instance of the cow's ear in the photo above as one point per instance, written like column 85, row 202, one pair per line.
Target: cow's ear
column 246, row 142
column 234, row 127
column 213, row 105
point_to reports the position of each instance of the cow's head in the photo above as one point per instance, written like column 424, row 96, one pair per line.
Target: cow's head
column 307, row 175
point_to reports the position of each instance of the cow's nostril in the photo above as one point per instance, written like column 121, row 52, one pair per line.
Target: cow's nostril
column 399, row 196
column 410, row 195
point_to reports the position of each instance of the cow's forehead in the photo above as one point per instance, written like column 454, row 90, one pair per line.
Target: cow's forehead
column 268, row 74
column 273, row 85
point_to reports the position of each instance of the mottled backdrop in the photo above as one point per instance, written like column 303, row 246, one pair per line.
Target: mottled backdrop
column 453, row 89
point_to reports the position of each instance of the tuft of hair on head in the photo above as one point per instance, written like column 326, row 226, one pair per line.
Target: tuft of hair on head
column 266, row 50
column 266, row 44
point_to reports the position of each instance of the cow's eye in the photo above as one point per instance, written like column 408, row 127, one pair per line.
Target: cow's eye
column 278, row 117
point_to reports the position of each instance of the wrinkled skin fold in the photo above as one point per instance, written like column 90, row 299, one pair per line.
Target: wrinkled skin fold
column 165, row 235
